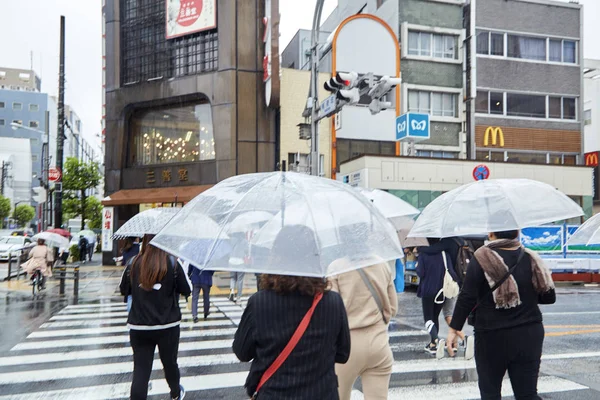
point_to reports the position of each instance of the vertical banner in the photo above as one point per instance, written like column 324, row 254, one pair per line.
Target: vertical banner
column 108, row 218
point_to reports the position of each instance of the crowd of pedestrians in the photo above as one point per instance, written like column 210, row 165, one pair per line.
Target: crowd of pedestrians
column 312, row 338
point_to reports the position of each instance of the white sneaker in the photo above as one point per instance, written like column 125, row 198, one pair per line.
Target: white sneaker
column 441, row 349
column 469, row 347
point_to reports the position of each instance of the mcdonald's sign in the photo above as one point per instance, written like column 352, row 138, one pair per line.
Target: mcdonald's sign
column 495, row 132
column 591, row 159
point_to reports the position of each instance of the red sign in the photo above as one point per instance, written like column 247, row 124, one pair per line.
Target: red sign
column 481, row 172
column 54, row 175
column 591, row 159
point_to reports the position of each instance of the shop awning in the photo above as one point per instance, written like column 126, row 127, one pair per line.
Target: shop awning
column 158, row 195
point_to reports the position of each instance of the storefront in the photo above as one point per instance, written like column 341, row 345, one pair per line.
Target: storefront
column 190, row 100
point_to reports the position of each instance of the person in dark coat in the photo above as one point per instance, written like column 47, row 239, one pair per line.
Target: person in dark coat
column 431, row 270
column 128, row 252
column 508, row 327
column 83, row 248
column 274, row 313
column 201, row 281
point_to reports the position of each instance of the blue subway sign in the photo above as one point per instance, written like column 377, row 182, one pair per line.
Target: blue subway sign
column 412, row 127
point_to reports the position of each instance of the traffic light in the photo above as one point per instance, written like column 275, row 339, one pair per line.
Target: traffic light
column 341, row 80
column 379, row 90
column 40, row 195
column 350, row 97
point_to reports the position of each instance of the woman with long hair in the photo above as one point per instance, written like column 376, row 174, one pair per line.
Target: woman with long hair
column 504, row 285
column 275, row 312
column 155, row 282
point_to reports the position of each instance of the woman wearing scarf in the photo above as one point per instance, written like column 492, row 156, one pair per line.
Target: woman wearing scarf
column 509, row 333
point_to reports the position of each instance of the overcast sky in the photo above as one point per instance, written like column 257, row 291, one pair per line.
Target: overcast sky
column 33, row 26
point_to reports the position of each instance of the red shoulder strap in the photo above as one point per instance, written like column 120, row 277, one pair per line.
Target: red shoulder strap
column 291, row 344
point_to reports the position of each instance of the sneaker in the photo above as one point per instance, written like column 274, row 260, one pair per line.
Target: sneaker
column 196, row 319
column 231, row 296
column 181, row 394
column 206, row 315
column 431, row 348
column 441, row 349
column 469, row 347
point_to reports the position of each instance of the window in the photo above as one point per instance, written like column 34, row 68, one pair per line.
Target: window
column 436, row 154
column 2, row 104
column 496, row 103
column 489, row 102
column 34, row 158
column 555, row 50
column 147, row 54
column 432, row 44
column 34, row 107
column 17, row 121
column 2, row 123
column 554, row 107
column 34, row 124
column 497, row 44
column 569, row 51
column 482, row 102
column 561, row 107
column 24, row 76
column 587, row 117
column 17, row 106
column 526, row 47
column 483, row 42
column 569, row 111
column 435, row 103
column 490, row 43
column 173, row 135
column 525, row 105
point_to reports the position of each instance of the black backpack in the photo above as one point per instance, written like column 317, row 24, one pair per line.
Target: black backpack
column 465, row 253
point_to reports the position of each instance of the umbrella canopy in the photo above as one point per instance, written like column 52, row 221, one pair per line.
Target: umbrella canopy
column 88, row 234
column 148, row 222
column 311, row 223
column 52, row 239
column 399, row 212
column 492, row 206
column 406, row 241
column 62, row 232
column 587, row 234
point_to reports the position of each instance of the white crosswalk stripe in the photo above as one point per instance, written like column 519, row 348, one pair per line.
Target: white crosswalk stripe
column 83, row 352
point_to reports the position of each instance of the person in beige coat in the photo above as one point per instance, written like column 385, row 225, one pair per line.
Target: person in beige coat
column 370, row 356
column 40, row 257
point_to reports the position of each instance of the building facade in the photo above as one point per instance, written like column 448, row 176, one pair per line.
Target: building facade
column 189, row 102
column 19, row 79
column 591, row 122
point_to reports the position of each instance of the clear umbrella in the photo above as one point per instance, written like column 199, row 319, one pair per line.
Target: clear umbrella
column 494, row 205
column 147, row 222
column 52, row 239
column 399, row 212
column 587, row 234
column 313, row 222
column 89, row 235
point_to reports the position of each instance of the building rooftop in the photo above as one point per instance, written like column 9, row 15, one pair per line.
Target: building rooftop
column 19, row 79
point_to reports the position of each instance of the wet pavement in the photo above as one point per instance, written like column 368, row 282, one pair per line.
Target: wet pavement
column 55, row 347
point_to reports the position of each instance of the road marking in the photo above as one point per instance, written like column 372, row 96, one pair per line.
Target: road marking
column 404, row 333
column 106, row 321
column 100, row 340
column 568, row 333
column 571, row 326
column 106, row 353
column 573, row 313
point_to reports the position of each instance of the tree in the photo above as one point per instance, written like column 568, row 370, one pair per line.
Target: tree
column 78, row 177
column 4, row 209
column 93, row 209
column 23, row 214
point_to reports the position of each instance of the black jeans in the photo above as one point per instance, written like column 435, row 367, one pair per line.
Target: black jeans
column 517, row 350
column 431, row 316
column 144, row 343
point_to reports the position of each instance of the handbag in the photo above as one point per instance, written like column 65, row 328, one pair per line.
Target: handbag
column 374, row 293
column 450, row 288
column 472, row 319
column 290, row 346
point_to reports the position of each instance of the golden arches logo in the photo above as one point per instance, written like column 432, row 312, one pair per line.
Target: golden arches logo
column 495, row 133
column 591, row 159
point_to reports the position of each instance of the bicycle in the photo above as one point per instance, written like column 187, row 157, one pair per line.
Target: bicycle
column 37, row 280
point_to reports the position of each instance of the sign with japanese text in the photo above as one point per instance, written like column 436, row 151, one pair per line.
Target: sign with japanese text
column 108, row 220
column 184, row 17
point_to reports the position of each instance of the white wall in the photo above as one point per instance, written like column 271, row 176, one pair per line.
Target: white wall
column 591, row 93
column 18, row 153
column 414, row 173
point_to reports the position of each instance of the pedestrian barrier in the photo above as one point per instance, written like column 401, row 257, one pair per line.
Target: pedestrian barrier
column 18, row 257
column 64, row 272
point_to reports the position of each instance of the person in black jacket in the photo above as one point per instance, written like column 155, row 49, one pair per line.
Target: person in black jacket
column 272, row 316
column 155, row 282
column 508, row 326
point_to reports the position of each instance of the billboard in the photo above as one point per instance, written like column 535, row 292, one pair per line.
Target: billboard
column 184, row 17
column 543, row 239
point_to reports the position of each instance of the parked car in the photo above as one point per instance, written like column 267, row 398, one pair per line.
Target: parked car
column 14, row 245
column 23, row 232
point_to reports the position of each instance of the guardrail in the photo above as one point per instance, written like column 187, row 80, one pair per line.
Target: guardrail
column 18, row 259
column 64, row 272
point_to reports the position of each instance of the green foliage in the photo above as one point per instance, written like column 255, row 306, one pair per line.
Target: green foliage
column 4, row 209
column 78, row 177
column 74, row 252
column 23, row 214
column 93, row 210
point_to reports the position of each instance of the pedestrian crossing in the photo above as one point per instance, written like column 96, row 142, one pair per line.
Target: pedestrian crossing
column 83, row 352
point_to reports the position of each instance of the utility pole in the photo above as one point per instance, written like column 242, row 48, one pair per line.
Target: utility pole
column 45, row 170
column 61, row 125
column 313, row 101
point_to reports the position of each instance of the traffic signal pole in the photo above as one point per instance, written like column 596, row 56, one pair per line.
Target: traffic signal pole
column 314, row 90
column 61, row 125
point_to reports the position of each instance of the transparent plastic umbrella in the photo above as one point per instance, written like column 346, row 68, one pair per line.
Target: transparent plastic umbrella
column 52, row 239
column 148, row 222
column 400, row 213
column 587, row 234
column 89, row 235
column 494, row 205
column 312, row 222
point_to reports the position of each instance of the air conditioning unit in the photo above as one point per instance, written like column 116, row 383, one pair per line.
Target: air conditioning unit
column 304, row 130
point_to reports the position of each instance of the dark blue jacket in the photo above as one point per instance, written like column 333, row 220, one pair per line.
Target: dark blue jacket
column 450, row 246
column 201, row 277
column 430, row 268
column 130, row 253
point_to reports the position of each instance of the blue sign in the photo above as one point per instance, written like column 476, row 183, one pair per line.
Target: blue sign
column 328, row 105
column 481, row 172
column 412, row 127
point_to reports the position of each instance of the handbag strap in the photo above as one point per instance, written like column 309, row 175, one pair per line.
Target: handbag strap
column 504, row 278
column 374, row 293
column 290, row 346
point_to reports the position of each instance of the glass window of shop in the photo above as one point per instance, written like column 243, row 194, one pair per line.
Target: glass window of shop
column 172, row 135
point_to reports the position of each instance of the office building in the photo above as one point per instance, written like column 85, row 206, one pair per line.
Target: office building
column 591, row 122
